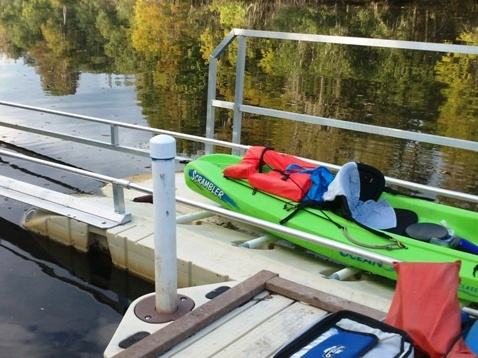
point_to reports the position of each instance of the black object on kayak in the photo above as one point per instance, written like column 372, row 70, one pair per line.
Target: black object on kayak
column 427, row 231
column 438, row 234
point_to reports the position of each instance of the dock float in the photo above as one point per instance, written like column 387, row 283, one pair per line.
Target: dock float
column 254, row 318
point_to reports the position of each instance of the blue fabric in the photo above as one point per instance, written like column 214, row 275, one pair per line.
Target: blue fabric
column 321, row 177
column 376, row 214
column 343, row 344
column 471, row 338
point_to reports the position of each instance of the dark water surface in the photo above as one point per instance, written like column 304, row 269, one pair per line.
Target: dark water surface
column 57, row 302
column 145, row 62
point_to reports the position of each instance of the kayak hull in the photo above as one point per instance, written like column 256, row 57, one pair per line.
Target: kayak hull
column 204, row 176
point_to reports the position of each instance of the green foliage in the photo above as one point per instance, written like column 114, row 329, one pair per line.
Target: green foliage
column 458, row 73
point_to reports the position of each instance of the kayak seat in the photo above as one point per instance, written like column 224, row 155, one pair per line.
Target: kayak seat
column 364, row 184
column 405, row 218
column 372, row 185
column 372, row 182
column 361, row 185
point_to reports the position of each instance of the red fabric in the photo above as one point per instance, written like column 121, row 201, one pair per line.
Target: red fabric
column 294, row 188
column 248, row 165
column 426, row 306
column 250, row 162
column 281, row 161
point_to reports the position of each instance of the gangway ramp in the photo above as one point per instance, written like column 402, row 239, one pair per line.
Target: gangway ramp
column 63, row 204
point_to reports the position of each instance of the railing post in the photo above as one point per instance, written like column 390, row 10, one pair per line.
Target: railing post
column 163, row 152
column 239, row 93
column 210, row 110
column 118, row 198
column 114, row 135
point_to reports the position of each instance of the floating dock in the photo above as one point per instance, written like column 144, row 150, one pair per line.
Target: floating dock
column 214, row 253
column 209, row 247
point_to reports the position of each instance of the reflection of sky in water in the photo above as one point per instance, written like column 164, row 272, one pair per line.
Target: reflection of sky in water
column 20, row 83
column 17, row 81
column 104, row 96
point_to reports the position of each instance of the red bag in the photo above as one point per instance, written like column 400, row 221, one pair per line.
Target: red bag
column 294, row 187
column 426, row 306
column 250, row 162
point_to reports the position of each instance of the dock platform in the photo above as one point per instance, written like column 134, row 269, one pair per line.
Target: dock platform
column 276, row 289
column 254, row 318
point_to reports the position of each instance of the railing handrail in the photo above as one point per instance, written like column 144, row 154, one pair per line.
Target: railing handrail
column 357, row 127
column 114, row 140
column 103, row 178
column 357, row 41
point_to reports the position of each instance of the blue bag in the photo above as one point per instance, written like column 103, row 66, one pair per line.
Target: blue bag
column 341, row 344
column 348, row 334
column 321, row 177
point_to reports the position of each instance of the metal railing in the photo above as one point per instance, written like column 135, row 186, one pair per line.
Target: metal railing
column 119, row 184
column 114, row 126
column 239, row 108
column 114, row 144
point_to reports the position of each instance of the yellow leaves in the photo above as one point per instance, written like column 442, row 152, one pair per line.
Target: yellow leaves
column 458, row 73
column 231, row 13
column 267, row 60
column 55, row 39
column 469, row 38
column 155, row 27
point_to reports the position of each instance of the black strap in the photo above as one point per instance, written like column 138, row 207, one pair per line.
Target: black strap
column 324, row 206
column 455, row 340
column 261, row 159
column 297, row 208
column 302, row 205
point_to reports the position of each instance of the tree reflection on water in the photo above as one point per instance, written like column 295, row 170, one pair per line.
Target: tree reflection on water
column 158, row 51
column 163, row 48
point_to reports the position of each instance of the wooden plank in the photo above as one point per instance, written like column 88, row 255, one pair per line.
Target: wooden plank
column 214, row 325
column 317, row 298
column 185, row 326
column 267, row 338
column 236, row 327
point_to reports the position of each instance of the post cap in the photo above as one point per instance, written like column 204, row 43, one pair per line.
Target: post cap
column 162, row 146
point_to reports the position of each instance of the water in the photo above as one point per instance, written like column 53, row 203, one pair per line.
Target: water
column 152, row 70
column 57, row 302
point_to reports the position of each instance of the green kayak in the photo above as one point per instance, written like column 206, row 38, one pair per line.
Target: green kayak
column 205, row 176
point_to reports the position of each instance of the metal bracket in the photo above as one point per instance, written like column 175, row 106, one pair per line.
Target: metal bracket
column 145, row 309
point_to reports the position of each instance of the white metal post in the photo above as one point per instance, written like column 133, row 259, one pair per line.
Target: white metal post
column 163, row 152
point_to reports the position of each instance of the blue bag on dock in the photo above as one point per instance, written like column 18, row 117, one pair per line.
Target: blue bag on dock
column 348, row 334
column 339, row 343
